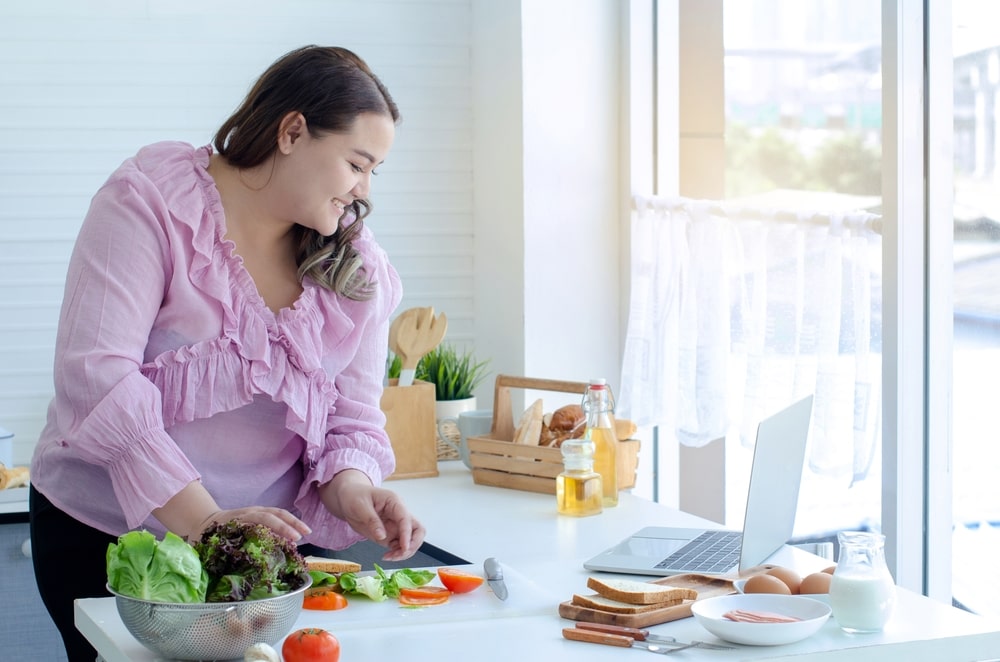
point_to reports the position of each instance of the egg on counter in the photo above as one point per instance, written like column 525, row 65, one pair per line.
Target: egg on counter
column 817, row 582
column 791, row 578
column 766, row 584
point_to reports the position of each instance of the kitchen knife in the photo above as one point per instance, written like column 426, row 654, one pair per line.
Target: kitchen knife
column 494, row 577
column 592, row 637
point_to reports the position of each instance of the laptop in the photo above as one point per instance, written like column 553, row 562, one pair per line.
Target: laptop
column 778, row 458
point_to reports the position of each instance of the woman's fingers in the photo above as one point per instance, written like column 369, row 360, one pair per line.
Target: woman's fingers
column 278, row 520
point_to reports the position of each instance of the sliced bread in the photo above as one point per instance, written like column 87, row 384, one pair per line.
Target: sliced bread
column 332, row 566
column 639, row 593
column 601, row 603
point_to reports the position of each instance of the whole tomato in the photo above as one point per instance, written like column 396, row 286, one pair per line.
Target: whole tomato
column 310, row 645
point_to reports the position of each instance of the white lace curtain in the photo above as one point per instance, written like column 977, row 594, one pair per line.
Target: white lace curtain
column 735, row 313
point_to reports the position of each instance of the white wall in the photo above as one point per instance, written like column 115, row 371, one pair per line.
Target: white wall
column 499, row 204
column 84, row 85
column 548, row 92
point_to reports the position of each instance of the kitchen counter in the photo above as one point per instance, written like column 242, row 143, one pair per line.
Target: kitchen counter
column 543, row 555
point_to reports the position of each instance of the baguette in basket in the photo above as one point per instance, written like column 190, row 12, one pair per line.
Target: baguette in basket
column 11, row 477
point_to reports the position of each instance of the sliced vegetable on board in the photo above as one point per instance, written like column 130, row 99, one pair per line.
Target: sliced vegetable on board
column 424, row 596
column 458, row 581
column 323, row 598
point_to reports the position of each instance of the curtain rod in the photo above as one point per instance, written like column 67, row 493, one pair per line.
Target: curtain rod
column 855, row 220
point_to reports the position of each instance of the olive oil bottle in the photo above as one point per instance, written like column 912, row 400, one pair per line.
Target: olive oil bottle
column 578, row 487
column 599, row 407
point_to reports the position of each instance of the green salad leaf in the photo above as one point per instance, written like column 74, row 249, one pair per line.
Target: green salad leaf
column 382, row 585
column 168, row 570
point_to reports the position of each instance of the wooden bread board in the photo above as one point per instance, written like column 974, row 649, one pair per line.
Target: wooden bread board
column 707, row 586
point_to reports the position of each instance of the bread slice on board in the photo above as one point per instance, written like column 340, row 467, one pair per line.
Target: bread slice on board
column 601, row 603
column 635, row 592
column 332, row 566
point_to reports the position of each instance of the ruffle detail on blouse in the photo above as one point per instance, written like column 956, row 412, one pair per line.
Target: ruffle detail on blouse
column 260, row 352
column 224, row 374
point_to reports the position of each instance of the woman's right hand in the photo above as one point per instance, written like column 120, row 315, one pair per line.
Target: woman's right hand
column 278, row 520
column 192, row 510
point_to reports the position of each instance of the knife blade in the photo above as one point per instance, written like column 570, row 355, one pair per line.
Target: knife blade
column 494, row 577
column 645, row 635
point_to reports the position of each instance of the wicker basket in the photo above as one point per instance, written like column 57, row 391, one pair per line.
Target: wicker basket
column 497, row 461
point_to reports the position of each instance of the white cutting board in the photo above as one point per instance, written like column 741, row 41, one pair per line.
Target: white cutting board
column 525, row 597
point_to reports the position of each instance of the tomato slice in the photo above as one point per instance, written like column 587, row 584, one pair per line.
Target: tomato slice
column 323, row 598
column 457, row 581
column 425, row 592
column 423, row 595
column 417, row 601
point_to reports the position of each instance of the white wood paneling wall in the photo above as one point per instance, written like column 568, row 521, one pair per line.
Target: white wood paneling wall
column 83, row 85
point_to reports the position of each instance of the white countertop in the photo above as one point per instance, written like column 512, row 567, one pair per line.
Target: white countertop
column 14, row 501
column 543, row 555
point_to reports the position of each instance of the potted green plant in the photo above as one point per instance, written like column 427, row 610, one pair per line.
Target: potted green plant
column 455, row 376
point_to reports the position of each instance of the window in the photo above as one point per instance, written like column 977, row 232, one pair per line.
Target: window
column 815, row 104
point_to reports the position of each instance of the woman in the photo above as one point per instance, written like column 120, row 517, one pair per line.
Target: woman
column 222, row 339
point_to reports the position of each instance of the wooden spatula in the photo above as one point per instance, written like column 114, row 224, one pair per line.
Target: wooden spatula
column 418, row 332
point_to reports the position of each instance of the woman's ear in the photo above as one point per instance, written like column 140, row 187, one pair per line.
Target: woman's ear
column 291, row 129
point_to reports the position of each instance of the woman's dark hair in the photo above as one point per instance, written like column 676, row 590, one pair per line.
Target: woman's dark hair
column 330, row 86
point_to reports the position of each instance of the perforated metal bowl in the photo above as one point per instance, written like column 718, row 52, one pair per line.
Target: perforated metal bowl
column 210, row 630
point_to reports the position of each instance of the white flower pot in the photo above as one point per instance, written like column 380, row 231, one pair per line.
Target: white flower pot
column 452, row 408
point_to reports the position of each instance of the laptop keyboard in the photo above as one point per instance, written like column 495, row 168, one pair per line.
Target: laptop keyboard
column 712, row 551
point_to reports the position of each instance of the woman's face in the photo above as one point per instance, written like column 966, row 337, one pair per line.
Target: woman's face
column 317, row 177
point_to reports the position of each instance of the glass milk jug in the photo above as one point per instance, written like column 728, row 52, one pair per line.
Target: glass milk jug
column 862, row 592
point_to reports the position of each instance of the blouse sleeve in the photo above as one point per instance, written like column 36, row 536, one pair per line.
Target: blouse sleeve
column 356, row 436
column 109, row 414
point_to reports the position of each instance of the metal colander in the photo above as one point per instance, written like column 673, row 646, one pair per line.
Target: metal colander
column 210, row 630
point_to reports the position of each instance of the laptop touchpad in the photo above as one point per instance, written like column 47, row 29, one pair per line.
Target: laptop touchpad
column 657, row 548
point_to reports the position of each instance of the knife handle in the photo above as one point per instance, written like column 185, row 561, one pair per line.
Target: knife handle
column 591, row 637
column 633, row 633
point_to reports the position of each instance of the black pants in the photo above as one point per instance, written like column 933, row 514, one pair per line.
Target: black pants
column 69, row 560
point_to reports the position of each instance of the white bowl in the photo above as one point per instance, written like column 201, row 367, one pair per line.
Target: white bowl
column 709, row 614
column 822, row 597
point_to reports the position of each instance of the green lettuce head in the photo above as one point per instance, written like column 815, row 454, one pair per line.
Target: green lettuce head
column 162, row 571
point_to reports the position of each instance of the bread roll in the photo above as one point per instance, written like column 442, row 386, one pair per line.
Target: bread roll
column 567, row 422
column 568, row 419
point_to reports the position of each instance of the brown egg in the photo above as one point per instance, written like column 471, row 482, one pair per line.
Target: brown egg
column 791, row 578
column 766, row 584
column 817, row 582
column 830, row 570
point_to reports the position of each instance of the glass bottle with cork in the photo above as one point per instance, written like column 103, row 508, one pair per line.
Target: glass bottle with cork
column 599, row 406
column 578, row 487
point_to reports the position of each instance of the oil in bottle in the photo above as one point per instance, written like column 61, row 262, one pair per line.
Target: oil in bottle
column 578, row 487
column 599, row 406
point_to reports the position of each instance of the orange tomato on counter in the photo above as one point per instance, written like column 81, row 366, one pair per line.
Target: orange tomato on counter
column 457, row 581
column 310, row 645
column 323, row 598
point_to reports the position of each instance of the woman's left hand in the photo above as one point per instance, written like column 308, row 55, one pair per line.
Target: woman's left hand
column 374, row 512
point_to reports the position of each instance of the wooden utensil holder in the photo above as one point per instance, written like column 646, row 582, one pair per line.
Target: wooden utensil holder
column 409, row 421
column 497, row 461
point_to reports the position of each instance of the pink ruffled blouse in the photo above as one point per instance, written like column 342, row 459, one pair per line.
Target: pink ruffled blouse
column 170, row 368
